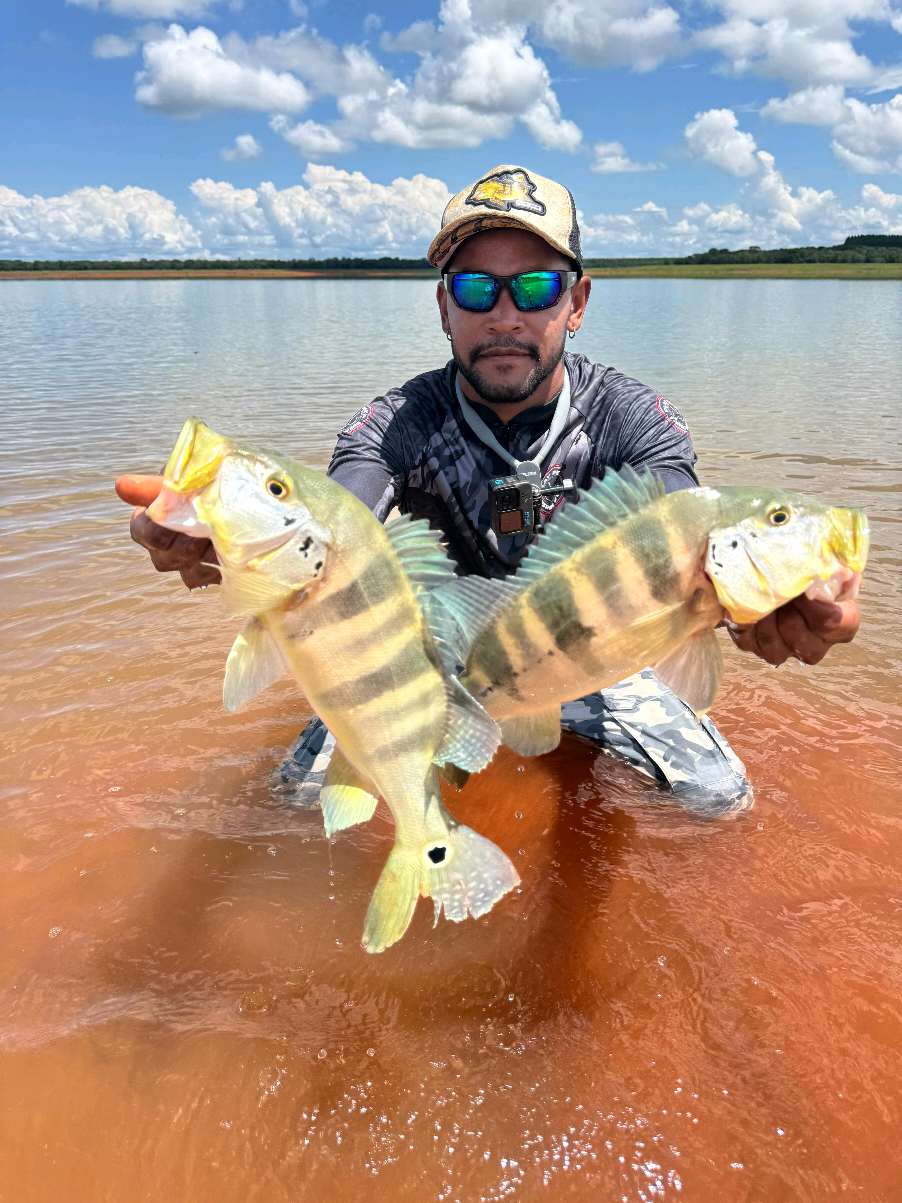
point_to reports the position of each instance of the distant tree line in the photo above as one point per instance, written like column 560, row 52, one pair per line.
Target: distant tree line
column 859, row 248
column 129, row 265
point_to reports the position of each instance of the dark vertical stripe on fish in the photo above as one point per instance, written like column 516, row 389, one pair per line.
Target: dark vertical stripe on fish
column 414, row 739
column 655, row 557
column 402, row 669
column 495, row 663
column 373, row 585
column 552, row 601
column 599, row 566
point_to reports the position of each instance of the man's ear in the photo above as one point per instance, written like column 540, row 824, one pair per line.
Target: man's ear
column 441, row 297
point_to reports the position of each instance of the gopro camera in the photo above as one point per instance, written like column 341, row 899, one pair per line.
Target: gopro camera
column 516, row 504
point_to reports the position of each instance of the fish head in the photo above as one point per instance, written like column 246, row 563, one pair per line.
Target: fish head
column 776, row 546
column 253, row 506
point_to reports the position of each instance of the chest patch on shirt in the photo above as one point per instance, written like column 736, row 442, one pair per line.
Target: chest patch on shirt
column 671, row 414
column 359, row 419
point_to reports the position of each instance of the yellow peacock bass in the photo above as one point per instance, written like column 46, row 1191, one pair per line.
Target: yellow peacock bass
column 344, row 603
column 629, row 577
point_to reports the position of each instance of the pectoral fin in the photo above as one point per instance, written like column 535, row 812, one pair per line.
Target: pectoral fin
column 347, row 797
column 253, row 664
column 694, row 670
column 533, row 734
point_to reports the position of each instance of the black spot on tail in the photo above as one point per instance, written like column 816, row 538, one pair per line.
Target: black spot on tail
column 437, row 855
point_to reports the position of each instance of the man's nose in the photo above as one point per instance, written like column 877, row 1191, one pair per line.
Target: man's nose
column 505, row 316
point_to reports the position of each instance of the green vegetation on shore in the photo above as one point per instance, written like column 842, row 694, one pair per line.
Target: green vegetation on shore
column 863, row 256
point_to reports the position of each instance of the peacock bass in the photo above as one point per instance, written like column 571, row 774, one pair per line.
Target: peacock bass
column 629, row 577
column 344, row 603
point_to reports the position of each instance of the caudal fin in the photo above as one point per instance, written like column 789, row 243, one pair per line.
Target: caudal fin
column 463, row 872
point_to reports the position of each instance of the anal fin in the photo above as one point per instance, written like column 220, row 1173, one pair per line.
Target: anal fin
column 693, row 670
column 533, row 734
column 347, row 797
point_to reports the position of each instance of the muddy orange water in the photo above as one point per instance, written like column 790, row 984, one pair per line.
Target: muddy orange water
column 666, row 1008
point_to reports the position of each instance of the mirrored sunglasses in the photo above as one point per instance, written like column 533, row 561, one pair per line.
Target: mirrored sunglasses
column 478, row 291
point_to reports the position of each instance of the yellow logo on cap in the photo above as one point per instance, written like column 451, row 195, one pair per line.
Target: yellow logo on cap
column 505, row 191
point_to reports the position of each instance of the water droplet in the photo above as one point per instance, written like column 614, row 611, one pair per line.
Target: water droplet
column 225, row 1124
column 780, row 1132
column 521, row 768
column 371, row 1052
column 115, row 789
column 518, row 814
column 338, row 944
column 521, row 851
column 760, row 826
column 271, row 851
column 54, row 932
column 662, row 960
column 321, row 1054
column 331, row 897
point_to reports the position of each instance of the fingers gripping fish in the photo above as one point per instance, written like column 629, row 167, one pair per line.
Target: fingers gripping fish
column 630, row 577
column 344, row 603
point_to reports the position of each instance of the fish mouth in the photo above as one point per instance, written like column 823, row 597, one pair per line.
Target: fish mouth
column 178, row 511
column 842, row 585
column 196, row 458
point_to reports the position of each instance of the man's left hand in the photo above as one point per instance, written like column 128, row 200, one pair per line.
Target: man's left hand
column 803, row 628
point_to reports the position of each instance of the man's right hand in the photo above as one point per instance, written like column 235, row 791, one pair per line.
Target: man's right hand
column 172, row 551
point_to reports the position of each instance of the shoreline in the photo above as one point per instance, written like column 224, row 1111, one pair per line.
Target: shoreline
column 739, row 271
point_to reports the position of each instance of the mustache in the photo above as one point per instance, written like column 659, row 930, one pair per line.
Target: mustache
column 508, row 344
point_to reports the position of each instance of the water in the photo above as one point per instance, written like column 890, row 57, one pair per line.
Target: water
column 666, row 1009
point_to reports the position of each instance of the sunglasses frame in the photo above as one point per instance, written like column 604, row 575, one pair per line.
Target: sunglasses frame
column 567, row 280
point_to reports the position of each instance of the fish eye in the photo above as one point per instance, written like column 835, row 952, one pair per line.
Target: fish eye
column 276, row 486
column 778, row 516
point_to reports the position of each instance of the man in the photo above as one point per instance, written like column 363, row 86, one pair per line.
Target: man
column 510, row 402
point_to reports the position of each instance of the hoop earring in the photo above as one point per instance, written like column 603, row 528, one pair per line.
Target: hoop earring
column 448, row 336
column 571, row 334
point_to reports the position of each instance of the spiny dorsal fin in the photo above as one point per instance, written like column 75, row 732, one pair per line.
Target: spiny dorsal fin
column 459, row 610
column 603, row 505
column 420, row 550
column 471, row 737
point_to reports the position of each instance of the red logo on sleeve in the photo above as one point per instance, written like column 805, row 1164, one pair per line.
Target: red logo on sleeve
column 671, row 414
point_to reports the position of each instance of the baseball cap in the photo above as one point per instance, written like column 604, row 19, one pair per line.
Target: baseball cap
column 509, row 196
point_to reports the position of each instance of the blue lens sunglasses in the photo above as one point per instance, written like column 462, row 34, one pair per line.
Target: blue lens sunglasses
column 478, row 292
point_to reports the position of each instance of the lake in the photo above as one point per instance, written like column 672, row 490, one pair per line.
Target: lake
column 667, row 1008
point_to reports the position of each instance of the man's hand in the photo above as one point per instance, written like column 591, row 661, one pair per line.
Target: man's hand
column 172, row 551
column 803, row 628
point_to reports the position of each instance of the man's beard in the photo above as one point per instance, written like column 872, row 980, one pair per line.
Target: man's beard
column 507, row 394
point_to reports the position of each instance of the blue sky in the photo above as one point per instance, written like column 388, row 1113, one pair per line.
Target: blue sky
column 283, row 128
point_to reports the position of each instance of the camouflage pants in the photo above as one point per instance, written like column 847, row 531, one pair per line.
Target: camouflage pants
column 638, row 720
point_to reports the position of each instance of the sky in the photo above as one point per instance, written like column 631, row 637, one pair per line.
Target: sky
column 308, row 128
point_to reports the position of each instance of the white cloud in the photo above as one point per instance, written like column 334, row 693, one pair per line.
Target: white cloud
column 243, row 148
column 112, row 46
column 186, row 74
column 94, row 222
column 768, row 213
column 338, row 212
column 812, row 106
column 471, row 84
column 610, row 158
column 802, row 41
column 866, row 137
column 309, row 138
column 161, row 10
column 714, row 137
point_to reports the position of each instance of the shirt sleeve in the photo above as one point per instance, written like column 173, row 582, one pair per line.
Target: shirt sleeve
column 654, row 436
column 366, row 460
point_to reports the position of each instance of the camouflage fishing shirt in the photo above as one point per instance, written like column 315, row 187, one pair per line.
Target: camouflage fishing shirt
column 412, row 449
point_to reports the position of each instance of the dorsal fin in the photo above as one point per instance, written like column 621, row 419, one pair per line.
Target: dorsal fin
column 603, row 505
column 459, row 610
column 420, row 550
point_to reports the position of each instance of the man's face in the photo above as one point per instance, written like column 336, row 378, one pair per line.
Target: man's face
column 505, row 354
